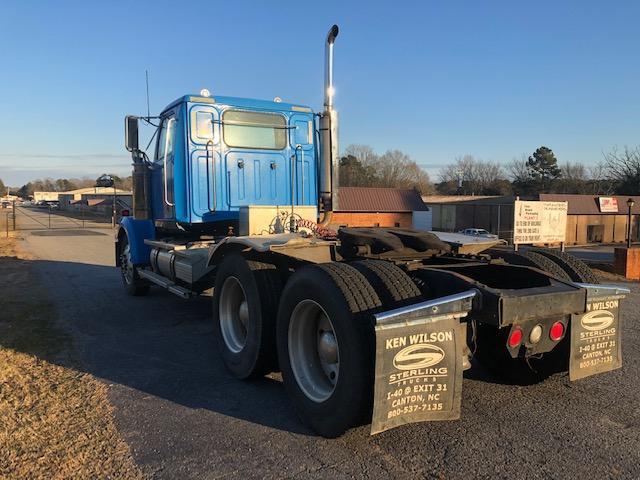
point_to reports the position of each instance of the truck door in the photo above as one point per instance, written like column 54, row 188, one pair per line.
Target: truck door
column 162, row 177
column 301, row 140
column 206, row 174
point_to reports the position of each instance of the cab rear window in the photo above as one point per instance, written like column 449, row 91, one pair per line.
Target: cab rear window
column 254, row 130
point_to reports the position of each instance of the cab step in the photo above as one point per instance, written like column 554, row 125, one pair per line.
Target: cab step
column 167, row 284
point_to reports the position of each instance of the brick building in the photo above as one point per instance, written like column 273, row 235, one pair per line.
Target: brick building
column 381, row 207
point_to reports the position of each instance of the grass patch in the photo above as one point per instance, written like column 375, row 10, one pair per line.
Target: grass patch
column 55, row 422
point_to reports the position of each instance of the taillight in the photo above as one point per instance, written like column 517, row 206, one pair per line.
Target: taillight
column 557, row 331
column 515, row 337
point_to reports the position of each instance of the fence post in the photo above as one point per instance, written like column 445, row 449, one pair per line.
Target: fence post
column 49, row 216
column 14, row 215
column 7, row 224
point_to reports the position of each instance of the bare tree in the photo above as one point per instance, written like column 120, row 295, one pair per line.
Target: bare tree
column 477, row 176
column 599, row 181
column 462, row 168
column 623, row 168
column 364, row 153
column 517, row 169
column 394, row 169
column 573, row 180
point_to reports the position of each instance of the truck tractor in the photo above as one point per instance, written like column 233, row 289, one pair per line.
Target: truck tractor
column 366, row 325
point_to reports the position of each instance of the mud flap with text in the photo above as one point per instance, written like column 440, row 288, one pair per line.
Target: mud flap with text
column 595, row 334
column 418, row 371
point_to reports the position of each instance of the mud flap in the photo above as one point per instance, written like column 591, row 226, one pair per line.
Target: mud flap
column 595, row 334
column 419, row 364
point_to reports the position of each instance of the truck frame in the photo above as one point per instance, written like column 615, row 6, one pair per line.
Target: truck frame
column 239, row 198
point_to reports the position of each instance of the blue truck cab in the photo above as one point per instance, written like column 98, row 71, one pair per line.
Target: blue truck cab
column 214, row 155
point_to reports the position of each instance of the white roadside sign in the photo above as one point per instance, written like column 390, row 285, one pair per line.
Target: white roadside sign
column 539, row 222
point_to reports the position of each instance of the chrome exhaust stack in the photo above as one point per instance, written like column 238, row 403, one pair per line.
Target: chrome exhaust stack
column 329, row 153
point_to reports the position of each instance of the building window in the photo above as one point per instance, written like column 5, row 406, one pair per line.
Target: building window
column 397, row 224
column 254, row 130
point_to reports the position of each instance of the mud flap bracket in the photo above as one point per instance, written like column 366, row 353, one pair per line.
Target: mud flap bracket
column 419, row 362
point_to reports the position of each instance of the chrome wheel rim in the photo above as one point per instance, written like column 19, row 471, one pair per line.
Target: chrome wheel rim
column 126, row 265
column 314, row 353
column 233, row 312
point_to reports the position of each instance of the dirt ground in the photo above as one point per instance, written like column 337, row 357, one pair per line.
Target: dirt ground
column 54, row 421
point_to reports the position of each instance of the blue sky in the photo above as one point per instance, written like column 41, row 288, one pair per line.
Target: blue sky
column 493, row 79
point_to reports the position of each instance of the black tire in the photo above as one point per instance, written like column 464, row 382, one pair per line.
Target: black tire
column 261, row 286
column 546, row 265
column 348, row 300
column 133, row 284
column 393, row 286
column 577, row 270
column 530, row 258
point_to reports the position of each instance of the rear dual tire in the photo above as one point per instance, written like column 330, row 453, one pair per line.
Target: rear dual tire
column 326, row 346
column 245, row 302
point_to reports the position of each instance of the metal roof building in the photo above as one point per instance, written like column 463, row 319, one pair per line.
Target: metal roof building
column 376, row 199
column 381, row 207
column 590, row 218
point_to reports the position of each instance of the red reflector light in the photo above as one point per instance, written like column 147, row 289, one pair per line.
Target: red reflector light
column 124, row 213
column 515, row 337
column 557, row 331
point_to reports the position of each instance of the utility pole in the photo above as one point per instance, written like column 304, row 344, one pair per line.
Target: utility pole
column 106, row 181
column 113, row 220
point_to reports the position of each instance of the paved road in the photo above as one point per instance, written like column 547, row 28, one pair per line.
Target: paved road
column 594, row 254
column 185, row 417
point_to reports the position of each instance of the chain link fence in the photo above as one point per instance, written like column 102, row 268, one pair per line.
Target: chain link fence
column 32, row 218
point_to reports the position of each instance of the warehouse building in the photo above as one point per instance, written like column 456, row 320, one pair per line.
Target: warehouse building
column 590, row 218
column 97, row 200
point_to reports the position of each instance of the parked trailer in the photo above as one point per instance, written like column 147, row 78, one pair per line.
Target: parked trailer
column 367, row 325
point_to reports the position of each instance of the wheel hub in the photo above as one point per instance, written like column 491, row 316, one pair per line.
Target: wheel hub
column 314, row 351
column 126, row 264
column 328, row 347
column 233, row 312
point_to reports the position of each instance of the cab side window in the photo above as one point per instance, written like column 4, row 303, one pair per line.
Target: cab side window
column 164, row 156
column 165, row 139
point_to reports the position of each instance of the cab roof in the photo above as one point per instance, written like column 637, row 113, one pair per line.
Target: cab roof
column 269, row 105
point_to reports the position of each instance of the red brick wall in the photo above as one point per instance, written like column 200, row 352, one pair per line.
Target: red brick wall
column 366, row 219
column 627, row 262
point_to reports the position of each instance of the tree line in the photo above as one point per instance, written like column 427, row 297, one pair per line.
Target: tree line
column 360, row 166
column 617, row 173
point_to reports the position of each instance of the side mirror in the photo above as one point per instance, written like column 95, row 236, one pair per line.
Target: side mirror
column 131, row 133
